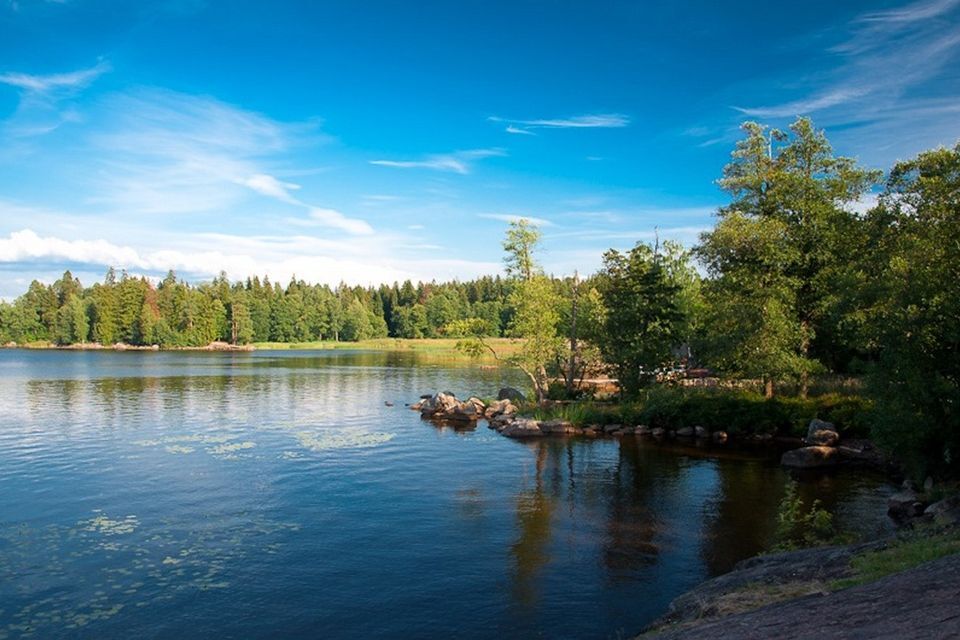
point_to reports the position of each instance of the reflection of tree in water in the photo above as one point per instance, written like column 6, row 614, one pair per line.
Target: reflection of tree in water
column 534, row 512
column 640, row 476
column 741, row 518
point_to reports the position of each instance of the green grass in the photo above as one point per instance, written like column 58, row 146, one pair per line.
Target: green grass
column 736, row 411
column 899, row 556
column 434, row 346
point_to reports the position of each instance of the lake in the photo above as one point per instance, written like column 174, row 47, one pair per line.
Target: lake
column 275, row 494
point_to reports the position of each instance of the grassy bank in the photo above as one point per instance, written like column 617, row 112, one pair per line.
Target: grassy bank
column 446, row 347
column 737, row 412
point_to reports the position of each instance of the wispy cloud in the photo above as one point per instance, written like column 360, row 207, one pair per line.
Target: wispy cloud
column 590, row 121
column 335, row 219
column 517, row 130
column 455, row 162
column 509, row 217
column 55, row 82
column 883, row 55
column 268, row 185
column 41, row 109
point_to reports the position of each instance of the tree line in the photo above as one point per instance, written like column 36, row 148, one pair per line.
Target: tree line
column 798, row 277
column 173, row 313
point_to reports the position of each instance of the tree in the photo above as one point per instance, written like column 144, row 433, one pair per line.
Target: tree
column 642, row 318
column 520, row 242
column 913, row 307
column 791, row 187
column 536, row 321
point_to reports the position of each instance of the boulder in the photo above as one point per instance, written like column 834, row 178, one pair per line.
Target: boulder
column 822, row 438
column 610, row 428
column 810, row 458
column 657, row 432
column 719, row 437
column 685, row 432
column 819, row 425
column 522, row 428
column 558, row 427
column 509, row 393
column 904, row 504
column 642, row 430
column 700, row 432
column 942, row 506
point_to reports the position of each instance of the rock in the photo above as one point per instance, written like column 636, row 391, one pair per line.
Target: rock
column 627, row 431
column 719, row 437
column 417, row 406
column 500, row 409
column 387, row 403
column 819, row 425
column 862, row 452
column 641, row 430
column 822, row 438
column 950, row 517
column 509, row 393
column 522, row 428
column 657, row 432
column 685, row 432
column 810, row 458
column 558, row 427
column 700, row 432
column 942, row 506
column 610, row 428
column 928, row 484
column 904, row 504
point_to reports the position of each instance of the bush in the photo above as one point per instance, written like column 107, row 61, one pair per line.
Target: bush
column 798, row 527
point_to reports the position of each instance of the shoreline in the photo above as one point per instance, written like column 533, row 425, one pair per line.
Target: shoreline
column 439, row 347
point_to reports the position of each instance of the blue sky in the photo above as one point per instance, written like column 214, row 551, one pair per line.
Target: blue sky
column 375, row 141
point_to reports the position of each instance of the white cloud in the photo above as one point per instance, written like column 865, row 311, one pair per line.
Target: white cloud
column 335, row 219
column 591, row 121
column 517, row 130
column 882, row 57
column 280, row 258
column 267, row 185
column 55, row 82
column 507, row 217
column 456, row 162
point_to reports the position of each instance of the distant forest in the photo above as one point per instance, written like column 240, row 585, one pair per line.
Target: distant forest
column 173, row 313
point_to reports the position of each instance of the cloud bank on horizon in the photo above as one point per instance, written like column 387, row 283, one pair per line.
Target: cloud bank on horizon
column 335, row 151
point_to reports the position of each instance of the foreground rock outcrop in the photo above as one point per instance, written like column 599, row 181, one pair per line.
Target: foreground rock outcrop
column 923, row 602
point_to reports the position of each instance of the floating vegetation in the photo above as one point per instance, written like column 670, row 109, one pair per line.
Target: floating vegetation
column 106, row 526
column 113, row 566
column 179, row 448
column 323, row 441
column 232, row 447
column 218, row 446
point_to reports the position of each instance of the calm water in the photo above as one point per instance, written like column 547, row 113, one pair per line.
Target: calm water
column 276, row 495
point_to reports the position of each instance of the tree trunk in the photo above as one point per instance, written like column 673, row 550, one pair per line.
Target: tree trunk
column 768, row 388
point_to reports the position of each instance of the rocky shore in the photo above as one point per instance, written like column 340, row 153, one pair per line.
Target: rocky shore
column 821, row 448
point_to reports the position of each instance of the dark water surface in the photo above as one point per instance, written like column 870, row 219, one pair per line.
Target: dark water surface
column 274, row 494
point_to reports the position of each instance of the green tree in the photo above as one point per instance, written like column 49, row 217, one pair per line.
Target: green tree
column 642, row 319
column 913, row 308
column 790, row 186
column 520, row 243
